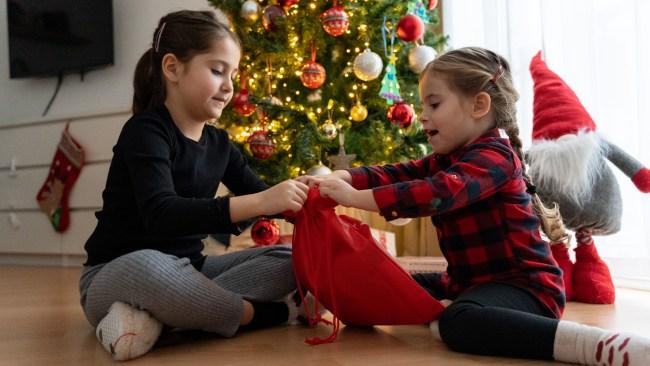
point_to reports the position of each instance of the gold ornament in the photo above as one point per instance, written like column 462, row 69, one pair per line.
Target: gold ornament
column 329, row 129
column 359, row 112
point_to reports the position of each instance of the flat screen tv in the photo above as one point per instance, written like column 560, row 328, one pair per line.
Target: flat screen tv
column 56, row 37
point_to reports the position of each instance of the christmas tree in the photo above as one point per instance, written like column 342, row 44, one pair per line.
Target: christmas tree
column 315, row 71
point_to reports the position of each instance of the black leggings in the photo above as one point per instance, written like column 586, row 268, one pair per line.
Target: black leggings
column 495, row 319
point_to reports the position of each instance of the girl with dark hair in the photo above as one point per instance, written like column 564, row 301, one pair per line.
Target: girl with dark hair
column 507, row 290
column 145, row 266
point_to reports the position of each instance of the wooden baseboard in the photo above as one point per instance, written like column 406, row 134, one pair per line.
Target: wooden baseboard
column 42, row 260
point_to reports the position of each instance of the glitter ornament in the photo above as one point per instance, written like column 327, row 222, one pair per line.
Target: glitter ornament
column 335, row 20
column 240, row 103
column 313, row 74
column 261, row 146
column 410, row 28
column 270, row 16
column 419, row 57
column 329, row 129
column 359, row 112
column 265, row 232
column 401, row 114
column 250, row 10
column 367, row 65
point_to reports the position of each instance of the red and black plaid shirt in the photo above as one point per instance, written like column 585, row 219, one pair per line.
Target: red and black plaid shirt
column 477, row 201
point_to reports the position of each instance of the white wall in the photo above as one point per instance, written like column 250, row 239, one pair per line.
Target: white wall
column 104, row 90
column 96, row 108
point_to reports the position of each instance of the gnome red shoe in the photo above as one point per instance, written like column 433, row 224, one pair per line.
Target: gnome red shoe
column 561, row 255
column 592, row 282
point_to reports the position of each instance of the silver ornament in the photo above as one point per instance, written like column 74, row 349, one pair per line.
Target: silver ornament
column 250, row 10
column 419, row 57
column 368, row 65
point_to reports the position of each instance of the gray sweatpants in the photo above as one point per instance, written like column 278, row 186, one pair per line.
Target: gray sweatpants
column 178, row 295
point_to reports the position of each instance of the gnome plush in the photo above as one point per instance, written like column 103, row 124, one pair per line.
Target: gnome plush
column 568, row 163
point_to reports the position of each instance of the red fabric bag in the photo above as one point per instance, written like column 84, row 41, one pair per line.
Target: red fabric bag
column 336, row 259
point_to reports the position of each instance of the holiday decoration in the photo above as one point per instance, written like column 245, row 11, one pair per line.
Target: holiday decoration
column 349, row 73
column 261, row 145
column 410, row 28
column 419, row 57
column 287, row 3
column 416, row 7
column 401, row 114
column 250, row 10
column 265, row 232
column 359, row 112
column 389, row 84
column 271, row 15
column 335, row 20
column 329, row 129
column 341, row 160
column 568, row 163
column 65, row 168
column 432, row 4
column 313, row 74
column 240, row 103
column 367, row 65
column 319, row 169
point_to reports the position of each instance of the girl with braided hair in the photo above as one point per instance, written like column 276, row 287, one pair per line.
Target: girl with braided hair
column 507, row 290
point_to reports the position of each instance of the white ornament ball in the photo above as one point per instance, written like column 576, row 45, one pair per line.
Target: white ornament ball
column 401, row 221
column 420, row 56
column 250, row 10
column 368, row 65
column 319, row 169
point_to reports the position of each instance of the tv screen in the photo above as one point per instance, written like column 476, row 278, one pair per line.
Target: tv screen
column 55, row 37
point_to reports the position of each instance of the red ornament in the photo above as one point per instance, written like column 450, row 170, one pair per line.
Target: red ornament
column 265, row 232
column 287, row 3
column 261, row 145
column 432, row 4
column 240, row 103
column 401, row 114
column 335, row 20
column 270, row 15
column 313, row 74
column 410, row 28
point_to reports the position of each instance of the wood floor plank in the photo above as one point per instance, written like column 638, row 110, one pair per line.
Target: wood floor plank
column 41, row 323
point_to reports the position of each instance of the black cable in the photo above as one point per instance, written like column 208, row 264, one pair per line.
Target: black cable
column 56, row 91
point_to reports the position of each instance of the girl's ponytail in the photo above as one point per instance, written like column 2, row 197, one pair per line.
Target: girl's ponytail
column 147, row 83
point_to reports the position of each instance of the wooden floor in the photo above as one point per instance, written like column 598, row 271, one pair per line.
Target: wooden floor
column 41, row 323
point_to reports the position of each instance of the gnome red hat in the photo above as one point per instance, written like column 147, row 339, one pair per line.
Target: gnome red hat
column 556, row 108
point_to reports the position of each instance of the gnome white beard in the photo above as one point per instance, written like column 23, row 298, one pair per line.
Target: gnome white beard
column 568, row 166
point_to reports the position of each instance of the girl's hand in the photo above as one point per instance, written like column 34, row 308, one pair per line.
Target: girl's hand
column 314, row 181
column 310, row 180
column 288, row 195
column 338, row 190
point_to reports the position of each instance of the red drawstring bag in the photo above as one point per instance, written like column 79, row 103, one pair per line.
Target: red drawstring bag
column 336, row 259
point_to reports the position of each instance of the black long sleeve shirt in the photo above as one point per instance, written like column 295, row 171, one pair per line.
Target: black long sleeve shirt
column 161, row 186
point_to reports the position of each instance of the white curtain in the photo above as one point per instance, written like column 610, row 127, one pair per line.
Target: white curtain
column 602, row 50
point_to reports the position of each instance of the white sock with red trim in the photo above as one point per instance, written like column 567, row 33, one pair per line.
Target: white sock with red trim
column 585, row 345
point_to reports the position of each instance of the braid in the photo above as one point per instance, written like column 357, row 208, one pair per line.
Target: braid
column 551, row 219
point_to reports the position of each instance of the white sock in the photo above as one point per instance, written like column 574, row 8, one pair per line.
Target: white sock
column 585, row 345
column 126, row 332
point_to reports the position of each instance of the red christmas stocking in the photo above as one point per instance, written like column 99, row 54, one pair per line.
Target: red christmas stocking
column 53, row 196
column 592, row 282
column 561, row 255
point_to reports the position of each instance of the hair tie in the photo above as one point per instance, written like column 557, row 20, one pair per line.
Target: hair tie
column 157, row 45
column 498, row 74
